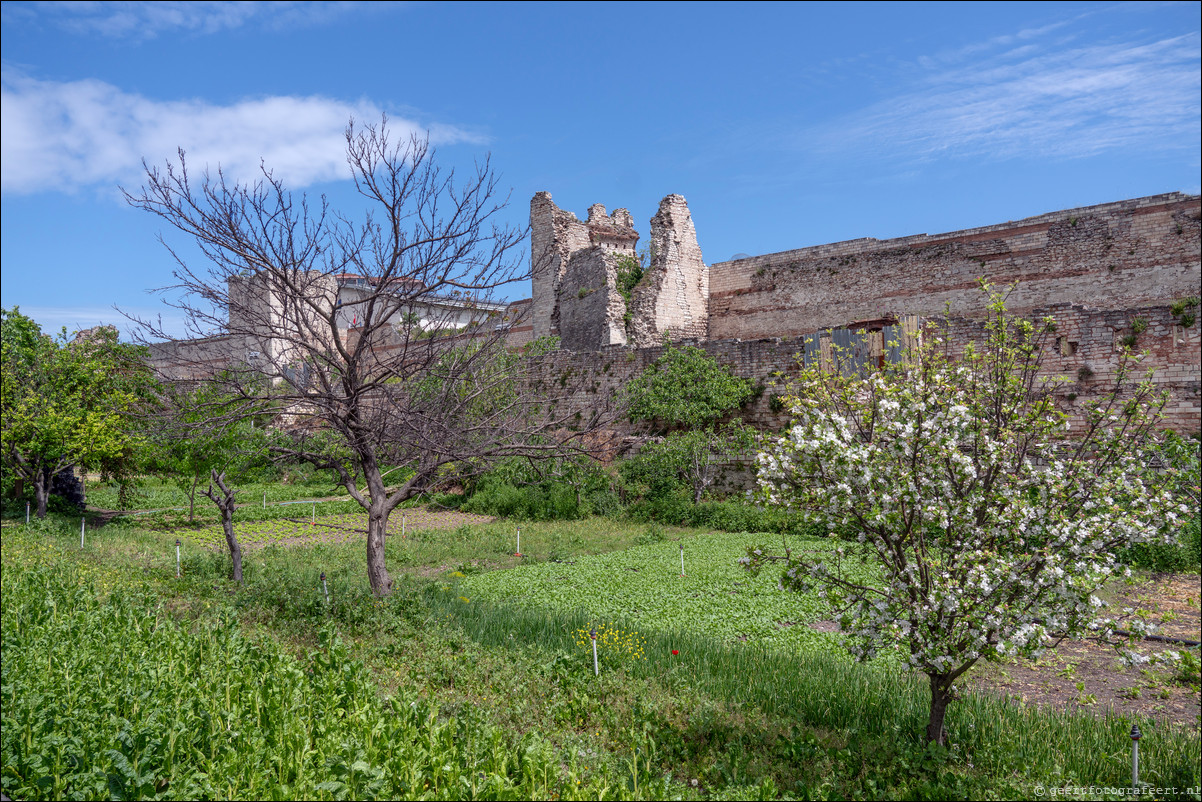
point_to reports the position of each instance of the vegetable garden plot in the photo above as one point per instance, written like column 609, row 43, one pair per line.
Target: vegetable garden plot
column 329, row 528
column 644, row 587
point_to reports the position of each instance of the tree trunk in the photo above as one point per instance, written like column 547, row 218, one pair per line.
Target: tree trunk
column 227, row 523
column 192, row 499
column 941, row 695
column 377, row 524
column 224, row 499
column 41, row 491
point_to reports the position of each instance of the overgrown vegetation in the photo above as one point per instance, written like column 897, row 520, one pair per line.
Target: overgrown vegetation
column 436, row 692
column 630, row 272
column 67, row 404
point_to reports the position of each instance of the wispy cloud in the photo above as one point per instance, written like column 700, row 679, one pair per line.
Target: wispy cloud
column 65, row 136
column 1030, row 94
column 147, row 20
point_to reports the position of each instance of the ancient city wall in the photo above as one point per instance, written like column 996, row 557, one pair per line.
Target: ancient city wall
column 1090, row 344
column 1087, row 338
column 1108, row 273
column 1114, row 256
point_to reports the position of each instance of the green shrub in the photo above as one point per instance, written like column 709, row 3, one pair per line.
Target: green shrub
column 1183, row 556
column 555, row 491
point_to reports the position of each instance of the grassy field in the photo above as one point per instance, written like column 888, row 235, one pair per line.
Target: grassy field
column 473, row 679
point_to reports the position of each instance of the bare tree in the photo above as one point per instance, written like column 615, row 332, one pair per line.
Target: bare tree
column 224, row 497
column 383, row 341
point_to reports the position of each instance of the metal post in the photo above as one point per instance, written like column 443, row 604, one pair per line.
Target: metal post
column 682, row 559
column 27, row 513
column 1135, row 736
column 81, row 530
column 518, row 553
column 177, row 558
column 264, row 499
column 596, row 668
column 325, row 589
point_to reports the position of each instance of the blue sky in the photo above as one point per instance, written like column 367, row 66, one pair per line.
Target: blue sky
column 783, row 125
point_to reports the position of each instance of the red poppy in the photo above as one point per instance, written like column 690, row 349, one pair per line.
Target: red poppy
column 675, row 651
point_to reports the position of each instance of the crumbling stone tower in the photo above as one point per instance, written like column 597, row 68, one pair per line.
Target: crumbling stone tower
column 673, row 295
column 576, row 268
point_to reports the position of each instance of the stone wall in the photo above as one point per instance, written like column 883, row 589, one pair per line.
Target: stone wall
column 591, row 311
column 1112, row 256
column 1088, row 338
column 555, row 234
column 1088, row 350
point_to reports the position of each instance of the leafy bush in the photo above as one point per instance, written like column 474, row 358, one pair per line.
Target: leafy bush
column 1183, row 556
column 687, row 387
column 678, row 509
column 553, row 491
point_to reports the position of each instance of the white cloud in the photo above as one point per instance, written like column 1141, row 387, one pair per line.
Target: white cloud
column 69, row 135
column 146, row 20
column 1036, row 98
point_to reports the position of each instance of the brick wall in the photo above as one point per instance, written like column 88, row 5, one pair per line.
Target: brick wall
column 1112, row 256
column 1090, row 338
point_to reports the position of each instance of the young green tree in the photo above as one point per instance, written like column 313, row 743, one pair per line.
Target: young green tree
column 992, row 522
column 198, row 430
column 685, row 393
column 686, row 388
column 689, row 458
column 204, row 436
column 67, row 404
column 239, row 445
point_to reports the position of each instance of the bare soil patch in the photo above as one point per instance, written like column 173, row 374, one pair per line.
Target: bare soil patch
column 1090, row 677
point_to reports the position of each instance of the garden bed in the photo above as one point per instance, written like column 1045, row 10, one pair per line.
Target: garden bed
column 1090, row 677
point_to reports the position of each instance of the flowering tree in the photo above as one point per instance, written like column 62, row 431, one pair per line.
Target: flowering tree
column 991, row 521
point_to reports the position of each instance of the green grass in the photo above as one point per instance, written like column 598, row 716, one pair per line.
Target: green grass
column 743, row 720
column 644, row 587
column 105, row 696
column 155, row 493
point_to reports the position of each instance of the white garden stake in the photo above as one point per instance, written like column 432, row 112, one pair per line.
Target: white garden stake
column 682, row 559
column 264, row 499
column 596, row 668
column 27, row 513
column 324, row 589
column 177, row 558
column 518, row 553
column 81, row 528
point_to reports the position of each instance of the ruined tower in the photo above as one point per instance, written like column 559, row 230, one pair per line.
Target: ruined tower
column 673, row 295
column 576, row 268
